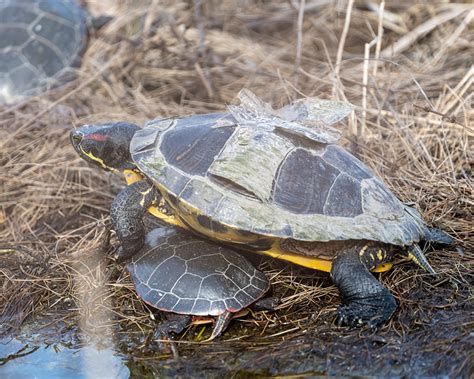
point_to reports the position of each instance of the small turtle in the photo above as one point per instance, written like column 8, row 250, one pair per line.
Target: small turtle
column 177, row 272
column 263, row 179
column 41, row 40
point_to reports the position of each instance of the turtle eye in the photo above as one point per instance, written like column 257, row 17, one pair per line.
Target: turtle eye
column 76, row 136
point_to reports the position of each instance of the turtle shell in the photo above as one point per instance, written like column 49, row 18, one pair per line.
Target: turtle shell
column 237, row 178
column 41, row 40
column 180, row 273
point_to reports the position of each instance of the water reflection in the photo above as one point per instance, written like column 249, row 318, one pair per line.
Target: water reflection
column 24, row 360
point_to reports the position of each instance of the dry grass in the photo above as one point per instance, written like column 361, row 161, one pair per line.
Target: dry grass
column 412, row 125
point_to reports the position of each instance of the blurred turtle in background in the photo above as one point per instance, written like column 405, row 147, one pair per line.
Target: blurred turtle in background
column 262, row 179
column 41, row 42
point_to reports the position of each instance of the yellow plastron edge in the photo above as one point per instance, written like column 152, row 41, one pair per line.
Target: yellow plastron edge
column 132, row 177
column 309, row 262
column 275, row 252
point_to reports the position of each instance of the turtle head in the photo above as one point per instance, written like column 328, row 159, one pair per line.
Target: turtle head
column 105, row 145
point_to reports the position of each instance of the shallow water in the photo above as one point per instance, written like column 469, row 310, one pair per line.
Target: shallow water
column 439, row 349
column 28, row 359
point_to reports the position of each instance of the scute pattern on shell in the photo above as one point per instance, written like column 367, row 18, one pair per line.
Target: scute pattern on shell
column 179, row 273
column 40, row 41
column 271, row 183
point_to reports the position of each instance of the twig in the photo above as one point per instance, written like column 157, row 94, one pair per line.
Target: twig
column 204, row 74
column 299, row 36
column 340, row 48
column 199, row 24
column 464, row 84
column 149, row 18
column 365, row 79
column 378, row 46
column 392, row 116
column 444, row 116
column 453, row 37
column 294, row 329
column 408, row 39
column 205, row 80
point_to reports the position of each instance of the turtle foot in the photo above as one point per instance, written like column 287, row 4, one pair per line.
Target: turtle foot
column 266, row 304
column 174, row 324
column 373, row 310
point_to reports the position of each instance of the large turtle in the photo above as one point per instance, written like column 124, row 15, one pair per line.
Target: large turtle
column 41, row 40
column 264, row 179
column 177, row 272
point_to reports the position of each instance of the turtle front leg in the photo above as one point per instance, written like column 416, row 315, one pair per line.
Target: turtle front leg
column 175, row 323
column 366, row 301
column 127, row 212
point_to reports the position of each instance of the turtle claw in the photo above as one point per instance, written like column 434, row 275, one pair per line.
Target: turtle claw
column 347, row 315
column 120, row 255
column 372, row 311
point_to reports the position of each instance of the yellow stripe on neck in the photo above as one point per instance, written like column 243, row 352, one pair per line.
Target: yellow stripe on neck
column 96, row 159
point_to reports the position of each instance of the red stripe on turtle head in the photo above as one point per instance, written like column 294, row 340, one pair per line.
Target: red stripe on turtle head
column 96, row 137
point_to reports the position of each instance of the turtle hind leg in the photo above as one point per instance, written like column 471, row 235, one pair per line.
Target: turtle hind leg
column 417, row 256
column 437, row 236
column 222, row 322
column 366, row 301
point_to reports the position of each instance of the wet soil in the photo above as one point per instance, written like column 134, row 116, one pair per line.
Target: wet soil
column 433, row 340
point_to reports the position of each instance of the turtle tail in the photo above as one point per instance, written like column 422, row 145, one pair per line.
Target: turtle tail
column 417, row 256
column 438, row 236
